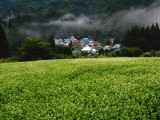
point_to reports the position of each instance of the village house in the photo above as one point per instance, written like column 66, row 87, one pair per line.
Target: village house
column 89, row 49
column 116, row 46
column 58, row 42
column 86, row 44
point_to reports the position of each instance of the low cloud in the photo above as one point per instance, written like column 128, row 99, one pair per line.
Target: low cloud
column 66, row 25
column 11, row 16
column 119, row 21
column 134, row 16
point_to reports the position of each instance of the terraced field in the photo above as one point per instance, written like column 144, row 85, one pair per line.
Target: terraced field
column 107, row 88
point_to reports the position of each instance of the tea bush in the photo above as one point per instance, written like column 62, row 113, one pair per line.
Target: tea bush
column 103, row 88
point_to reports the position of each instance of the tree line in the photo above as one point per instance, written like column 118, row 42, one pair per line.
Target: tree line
column 135, row 41
column 145, row 38
column 31, row 48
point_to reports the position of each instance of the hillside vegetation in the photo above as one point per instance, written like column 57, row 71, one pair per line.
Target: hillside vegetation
column 53, row 9
column 113, row 88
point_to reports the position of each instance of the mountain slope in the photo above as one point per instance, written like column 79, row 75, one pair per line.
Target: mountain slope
column 116, row 5
column 4, row 4
column 56, row 8
column 25, row 7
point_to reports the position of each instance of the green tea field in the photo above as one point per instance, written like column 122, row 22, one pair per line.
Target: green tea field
column 103, row 88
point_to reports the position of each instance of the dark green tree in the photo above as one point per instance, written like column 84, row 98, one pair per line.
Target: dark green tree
column 132, row 37
column 51, row 40
column 35, row 49
column 146, row 39
column 106, row 42
column 65, row 50
column 4, row 46
column 70, row 45
column 10, row 23
column 130, row 52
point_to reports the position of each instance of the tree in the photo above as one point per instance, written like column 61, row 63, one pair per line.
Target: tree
column 131, row 52
column 4, row 46
column 146, row 39
column 10, row 23
column 51, row 40
column 70, row 45
column 35, row 49
column 132, row 37
column 61, row 49
column 107, row 42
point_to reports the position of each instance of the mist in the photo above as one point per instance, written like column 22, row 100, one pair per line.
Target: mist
column 70, row 24
column 67, row 25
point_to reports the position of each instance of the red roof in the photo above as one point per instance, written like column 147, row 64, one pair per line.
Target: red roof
column 96, row 43
column 75, row 41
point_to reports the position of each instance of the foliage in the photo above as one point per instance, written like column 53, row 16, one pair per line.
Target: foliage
column 113, row 6
column 35, row 49
column 157, row 53
column 15, row 38
column 8, row 60
column 41, row 9
column 61, row 49
column 4, row 46
column 101, row 51
column 151, row 54
column 106, row 42
column 126, row 52
column 51, row 40
column 131, row 52
column 147, row 54
column 123, row 88
column 146, row 39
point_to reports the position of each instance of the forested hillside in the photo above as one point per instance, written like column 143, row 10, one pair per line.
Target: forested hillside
column 96, row 19
column 54, row 9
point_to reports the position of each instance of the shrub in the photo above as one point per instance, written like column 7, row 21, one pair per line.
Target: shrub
column 147, row 54
column 8, row 60
column 157, row 54
column 61, row 49
column 101, row 51
column 130, row 52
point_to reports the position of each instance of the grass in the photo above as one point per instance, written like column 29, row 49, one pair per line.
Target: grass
column 106, row 88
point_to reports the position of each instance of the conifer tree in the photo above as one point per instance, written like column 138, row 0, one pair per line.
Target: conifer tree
column 51, row 40
column 147, row 39
column 4, row 47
